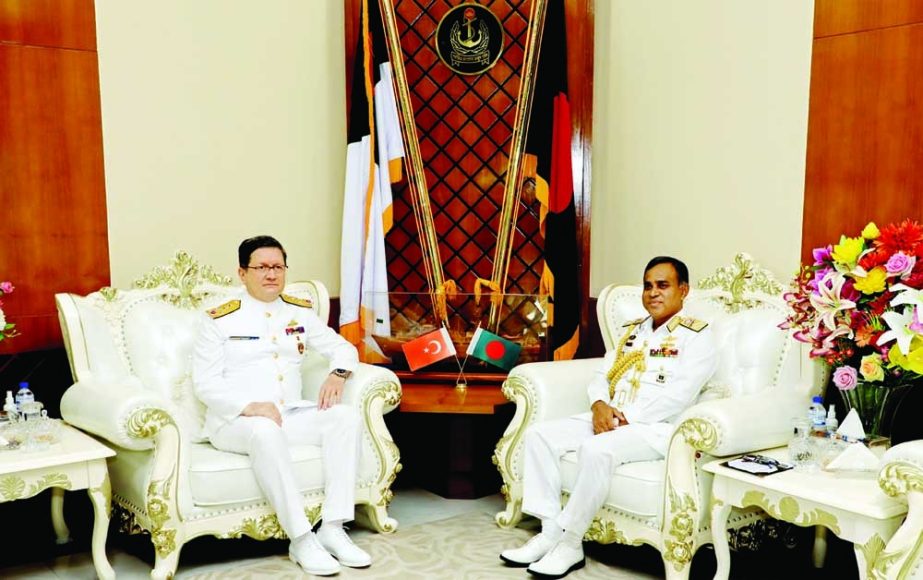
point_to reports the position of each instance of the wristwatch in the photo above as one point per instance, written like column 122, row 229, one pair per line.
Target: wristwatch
column 342, row 373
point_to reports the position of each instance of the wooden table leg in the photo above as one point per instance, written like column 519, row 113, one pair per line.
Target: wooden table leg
column 101, row 497
column 819, row 554
column 719, row 521
column 57, row 516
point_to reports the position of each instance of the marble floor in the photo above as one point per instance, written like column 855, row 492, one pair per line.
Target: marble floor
column 132, row 556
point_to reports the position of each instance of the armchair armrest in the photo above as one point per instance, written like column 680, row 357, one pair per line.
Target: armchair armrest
column 742, row 424
column 551, row 389
column 901, row 477
column 116, row 409
column 541, row 391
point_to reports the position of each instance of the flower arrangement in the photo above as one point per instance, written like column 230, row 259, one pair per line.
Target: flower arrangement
column 860, row 307
column 7, row 330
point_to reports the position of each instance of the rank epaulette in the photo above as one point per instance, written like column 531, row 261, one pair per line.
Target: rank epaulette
column 634, row 322
column 692, row 324
column 303, row 302
column 224, row 309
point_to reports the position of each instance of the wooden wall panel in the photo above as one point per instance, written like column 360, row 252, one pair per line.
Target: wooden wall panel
column 865, row 131
column 832, row 17
column 52, row 185
column 53, row 23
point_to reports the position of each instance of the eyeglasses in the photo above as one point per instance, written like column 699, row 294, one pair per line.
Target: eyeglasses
column 264, row 269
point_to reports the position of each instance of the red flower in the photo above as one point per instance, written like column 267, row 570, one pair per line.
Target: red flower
column 903, row 237
column 876, row 257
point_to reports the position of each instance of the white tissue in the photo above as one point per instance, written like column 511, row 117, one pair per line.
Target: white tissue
column 856, row 457
column 851, row 426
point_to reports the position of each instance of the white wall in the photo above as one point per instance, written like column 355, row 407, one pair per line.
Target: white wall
column 222, row 119
column 699, row 137
column 226, row 118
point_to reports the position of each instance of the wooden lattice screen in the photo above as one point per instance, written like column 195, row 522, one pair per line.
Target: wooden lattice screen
column 465, row 124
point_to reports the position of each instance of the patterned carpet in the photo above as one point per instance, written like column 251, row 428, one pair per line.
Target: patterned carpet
column 464, row 547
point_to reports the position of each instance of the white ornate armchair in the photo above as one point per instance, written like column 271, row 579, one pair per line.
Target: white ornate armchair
column 901, row 476
column 763, row 380
column 130, row 353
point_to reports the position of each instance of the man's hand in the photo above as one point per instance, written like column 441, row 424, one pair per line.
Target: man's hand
column 331, row 392
column 264, row 409
column 606, row 418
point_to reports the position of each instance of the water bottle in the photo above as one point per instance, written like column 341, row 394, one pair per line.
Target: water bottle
column 818, row 416
column 24, row 396
column 831, row 422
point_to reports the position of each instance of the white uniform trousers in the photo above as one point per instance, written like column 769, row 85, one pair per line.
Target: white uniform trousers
column 335, row 429
column 597, row 457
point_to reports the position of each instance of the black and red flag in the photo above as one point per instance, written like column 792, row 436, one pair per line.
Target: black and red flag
column 548, row 162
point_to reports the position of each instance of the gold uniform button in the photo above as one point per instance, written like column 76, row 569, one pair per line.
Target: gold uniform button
column 273, row 339
column 280, row 378
column 268, row 314
column 275, row 355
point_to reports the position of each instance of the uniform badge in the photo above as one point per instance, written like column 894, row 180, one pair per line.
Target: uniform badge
column 300, row 347
column 661, row 378
column 294, row 330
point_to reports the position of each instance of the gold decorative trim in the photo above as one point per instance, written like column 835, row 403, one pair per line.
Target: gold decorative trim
column 388, row 453
column 743, row 277
column 700, row 434
column 900, row 478
column 13, row 487
column 184, row 275
column 109, row 293
column 146, row 422
column 158, row 513
column 789, row 511
column 876, row 566
column 517, row 390
column 259, row 528
column 683, row 511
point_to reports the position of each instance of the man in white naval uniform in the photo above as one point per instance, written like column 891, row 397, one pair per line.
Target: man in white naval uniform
column 654, row 373
column 247, row 372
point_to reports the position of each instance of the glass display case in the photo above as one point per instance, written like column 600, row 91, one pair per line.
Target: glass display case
column 521, row 318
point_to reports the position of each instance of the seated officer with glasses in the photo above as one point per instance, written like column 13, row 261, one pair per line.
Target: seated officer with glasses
column 247, row 372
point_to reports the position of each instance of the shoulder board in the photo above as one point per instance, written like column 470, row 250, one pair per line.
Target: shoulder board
column 303, row 302
column 634, row 322
column 693, row 324
column 224, row 309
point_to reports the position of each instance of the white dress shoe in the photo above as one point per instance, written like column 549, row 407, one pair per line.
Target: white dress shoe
column 313, row 559
column 560, row 561
column 335, row 541
column 531, row 551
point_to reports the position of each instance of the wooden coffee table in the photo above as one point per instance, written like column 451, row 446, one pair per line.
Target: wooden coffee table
column 76, row 462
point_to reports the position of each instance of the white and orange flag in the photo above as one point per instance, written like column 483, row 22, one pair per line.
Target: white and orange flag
column 374, row 156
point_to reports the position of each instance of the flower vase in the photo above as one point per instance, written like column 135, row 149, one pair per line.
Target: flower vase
column 874, row 402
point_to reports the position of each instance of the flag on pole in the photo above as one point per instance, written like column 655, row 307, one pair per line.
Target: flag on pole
column 548, row 162
column 374, row 156
column 494, row 349
column 431, row 347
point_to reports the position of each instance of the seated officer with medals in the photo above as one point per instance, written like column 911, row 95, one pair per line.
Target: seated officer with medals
column 655, row 372
column 247, row 372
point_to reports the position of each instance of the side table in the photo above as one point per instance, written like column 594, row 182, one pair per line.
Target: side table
column 849, row 504
column 447, row 436
column 76, row 462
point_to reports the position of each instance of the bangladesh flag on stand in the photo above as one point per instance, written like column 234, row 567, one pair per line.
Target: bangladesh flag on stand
column 494, row 349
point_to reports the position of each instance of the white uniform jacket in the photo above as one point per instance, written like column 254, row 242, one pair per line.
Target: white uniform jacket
column 667, row 369
column 254, row 353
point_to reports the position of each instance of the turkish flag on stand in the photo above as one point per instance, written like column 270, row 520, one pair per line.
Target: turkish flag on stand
column 429, row 348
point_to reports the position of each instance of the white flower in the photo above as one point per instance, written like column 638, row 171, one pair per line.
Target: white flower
column 2, row 320
column 899, row 323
